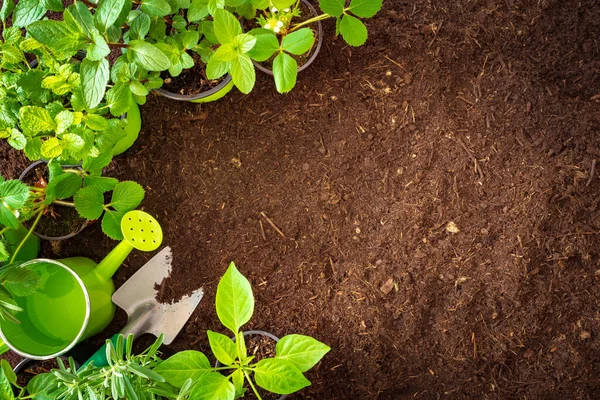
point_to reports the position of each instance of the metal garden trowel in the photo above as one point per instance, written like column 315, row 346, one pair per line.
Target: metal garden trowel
column 145, row 314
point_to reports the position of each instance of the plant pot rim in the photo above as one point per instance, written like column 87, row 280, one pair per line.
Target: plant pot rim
column 40, row 235
column 313, row 57
column 85, row 323
column 261, row 333
column 26, row 361
column 197, row 96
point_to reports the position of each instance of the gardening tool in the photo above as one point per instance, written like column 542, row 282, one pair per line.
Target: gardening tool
column 73, row 301
column 145, row 314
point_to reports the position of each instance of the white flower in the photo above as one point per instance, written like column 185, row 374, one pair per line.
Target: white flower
column 276, row 29
column 279, row 24
column 286, row 10
column 274, row 9
column 267, row 25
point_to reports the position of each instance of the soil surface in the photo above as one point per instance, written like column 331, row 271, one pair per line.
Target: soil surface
column 34, row 368
column 436, row 205
column 191, row 81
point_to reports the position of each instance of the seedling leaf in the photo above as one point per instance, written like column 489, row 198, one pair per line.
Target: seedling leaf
column 235, row 301
column 89, row 202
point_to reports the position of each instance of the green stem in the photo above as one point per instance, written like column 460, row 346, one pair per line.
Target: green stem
column 63, row 203
column 310, row 21
column 72, row 171
column 37, row 220
column 3, row 230
column 252, row 386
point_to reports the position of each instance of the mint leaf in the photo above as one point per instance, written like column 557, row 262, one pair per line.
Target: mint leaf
column 26, row 12
column 285, row 72
column 72, row 142
column 243, row 73
column 244, row 43
column 216, row 68
column 98, row 49
column 51, row 148
column 94, row 77
column 89, row 202
column 198, row 10
column 353, row 30
column 57, row 35
column 53, row 5
column 365, row 8
column 147, row 56
column 17, row 140
column 127, row 196
column 35, row 120
column 63, row 121
column 107, row 13
column 119, row 99
column 6, row 10
column 332, row 7
column 299, row 42
column 156, row 8
column 235, row 301
column 226, row 26
column 83, row 15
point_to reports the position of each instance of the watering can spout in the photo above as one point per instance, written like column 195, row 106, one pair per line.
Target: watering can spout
column 140, row 231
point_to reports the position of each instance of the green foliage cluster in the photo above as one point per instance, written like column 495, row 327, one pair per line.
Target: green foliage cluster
column 283, row 374
column 42, row 111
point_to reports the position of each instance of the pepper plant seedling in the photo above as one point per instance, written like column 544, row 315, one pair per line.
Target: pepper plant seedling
column 282, row 374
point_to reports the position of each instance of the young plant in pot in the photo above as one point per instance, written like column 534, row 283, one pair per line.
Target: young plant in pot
column 42, row 111
column 286, row 32
column 282, row 374
column 75, row 192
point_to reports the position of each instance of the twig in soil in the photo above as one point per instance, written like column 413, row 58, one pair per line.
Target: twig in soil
column 477, row 167
column 592, row 170
column 262, row 231
column 394, row 62
column 272, row 224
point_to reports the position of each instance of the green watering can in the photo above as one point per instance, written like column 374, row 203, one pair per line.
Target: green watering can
column 73, row 302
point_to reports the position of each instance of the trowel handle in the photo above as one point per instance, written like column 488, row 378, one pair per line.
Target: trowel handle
column 99, row 357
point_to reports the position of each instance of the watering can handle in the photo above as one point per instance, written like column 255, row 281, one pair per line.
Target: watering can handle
column 99, row 358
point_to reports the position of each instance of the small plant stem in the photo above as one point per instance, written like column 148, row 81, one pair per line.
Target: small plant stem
column 72, row 171
column 252, row 386
column 310, row 21
column 37, row 220
column 3, row 230
column 63, row 203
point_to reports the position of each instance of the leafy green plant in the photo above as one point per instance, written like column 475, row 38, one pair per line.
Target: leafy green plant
column 283, row 374
column 42, row 111
column 128, row 376
column 87, row 188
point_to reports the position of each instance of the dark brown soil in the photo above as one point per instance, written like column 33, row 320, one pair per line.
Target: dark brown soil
column 191, row 81
column 484, row 114
column 33, row 368
column 57, row 220
column 260, row 347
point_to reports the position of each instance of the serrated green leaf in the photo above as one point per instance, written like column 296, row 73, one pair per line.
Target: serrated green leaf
column 6, row 9
column 13, row 193
column 111, row 224
column 138, row 88
column 58, row 36
column 243, row 73
column 107, row 13
column 285, row 72
column 215, row 5
column 26, row 12
column 63, row 186
column 244, row 43
column 104, row 183
column 6, row 390
column 33, row 148
column 156, row 8
column 127, row 196
column 98, row 49
column 235, row 301
column 96, row 122
column 198, row 10
column 119, row 99
column 17, row 140
column 222, row 347
column 93, row 164
column 35, row 120
column 51, row 148
column 279, row 376
column 353, row 30
column 365, row 8
column 89, row 202
column 182, row 366
column 332, row 7
column 94, row 77
column 147, row 56
column 225, row 52
column 63, row 121
column 213, row 386
column 190, row 39
column 20, row 281
column 140, row 26
column 83, row 16
column 53, row 5
column 226, row 26
column 72, row 142
column 299, row 42
column 216, row 68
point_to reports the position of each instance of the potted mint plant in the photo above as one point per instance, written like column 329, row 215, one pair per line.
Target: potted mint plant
column 41, row 109
column 282, row 374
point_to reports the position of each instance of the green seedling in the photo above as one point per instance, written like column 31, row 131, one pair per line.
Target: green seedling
column 283, row 374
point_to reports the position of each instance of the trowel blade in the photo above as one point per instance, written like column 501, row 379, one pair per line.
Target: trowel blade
column 137, row 297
